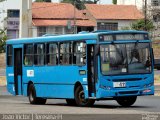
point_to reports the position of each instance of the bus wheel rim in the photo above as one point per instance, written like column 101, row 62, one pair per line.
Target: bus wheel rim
column 81, row 97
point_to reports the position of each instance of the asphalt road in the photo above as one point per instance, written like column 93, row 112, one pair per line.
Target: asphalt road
column 17, row 104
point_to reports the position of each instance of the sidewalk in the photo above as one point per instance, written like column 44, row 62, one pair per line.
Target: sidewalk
column 157, row 80
column 2, row 80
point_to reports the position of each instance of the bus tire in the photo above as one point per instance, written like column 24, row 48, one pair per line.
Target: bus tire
column 126, row 101
column 79, row 98
column 32, row 96
column 71, row 102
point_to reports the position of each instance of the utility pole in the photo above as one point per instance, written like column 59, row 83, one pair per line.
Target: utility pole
column 74, row 19
column 145, row 15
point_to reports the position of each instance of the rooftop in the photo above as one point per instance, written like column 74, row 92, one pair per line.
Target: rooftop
column 114, row 12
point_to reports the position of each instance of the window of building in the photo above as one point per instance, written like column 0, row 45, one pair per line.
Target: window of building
column 58, row 30
column 68, row 31
column 42, row 31
column 107, row 26
column 79, row 56
column 155, row 2
column 52, row 54
column 66, row 53
column 9, row 55
column 13, row 13
column 39, row 54
column 156, row 18
column 28, row 55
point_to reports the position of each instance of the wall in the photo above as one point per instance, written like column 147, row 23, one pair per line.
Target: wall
column 138, row 3
column 8, row 4
column 121, row 23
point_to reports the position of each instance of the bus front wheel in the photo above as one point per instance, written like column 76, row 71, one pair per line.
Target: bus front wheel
column 80, row 98
column 32, row 96
column 126, row 101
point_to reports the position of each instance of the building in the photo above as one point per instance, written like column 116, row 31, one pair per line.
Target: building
column 153, row 12
column 64, row 18
column 58, row 18
column 9, row 17
column 113, row 17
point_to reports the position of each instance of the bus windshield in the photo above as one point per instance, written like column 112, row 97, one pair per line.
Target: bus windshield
column 128, row 58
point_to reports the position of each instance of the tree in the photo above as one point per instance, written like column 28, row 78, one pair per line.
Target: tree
column 80, row 3
column 43, row 1
column 140, row 25
column 114, row 2
column 3, row 38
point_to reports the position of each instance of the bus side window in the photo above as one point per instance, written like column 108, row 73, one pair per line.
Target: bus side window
column 9, row 55
column 52, row 54
column 28, row 55
column 39, row 54
column 79, row 56
column 66, row 53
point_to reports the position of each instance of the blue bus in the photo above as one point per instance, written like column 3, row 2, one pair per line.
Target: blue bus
column 82, row 68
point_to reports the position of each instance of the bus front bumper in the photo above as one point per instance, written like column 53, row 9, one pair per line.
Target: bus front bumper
column 103, row 93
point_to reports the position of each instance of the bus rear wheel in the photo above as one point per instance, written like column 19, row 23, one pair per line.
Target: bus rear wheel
column 71, row 102
column 32, row 96
column 126, row 101
column 80, row 98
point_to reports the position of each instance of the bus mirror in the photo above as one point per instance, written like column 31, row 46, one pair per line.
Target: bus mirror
column 96, row 49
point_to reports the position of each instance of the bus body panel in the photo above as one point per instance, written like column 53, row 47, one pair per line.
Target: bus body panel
column 59, row 81
column 136, row 85
column 54, row 81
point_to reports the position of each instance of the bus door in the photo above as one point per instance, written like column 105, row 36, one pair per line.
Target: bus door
column 18, row 70
column 91, row 70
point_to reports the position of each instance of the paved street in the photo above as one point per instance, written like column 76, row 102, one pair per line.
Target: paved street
column 19, row 104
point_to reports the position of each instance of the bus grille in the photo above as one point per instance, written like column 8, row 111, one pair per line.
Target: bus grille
column 130, row 79
column 128, row 92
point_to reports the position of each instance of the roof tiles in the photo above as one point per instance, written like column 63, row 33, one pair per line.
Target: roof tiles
column 114, row 12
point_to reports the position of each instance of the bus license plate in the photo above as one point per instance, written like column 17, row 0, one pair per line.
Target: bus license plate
column 119, row 84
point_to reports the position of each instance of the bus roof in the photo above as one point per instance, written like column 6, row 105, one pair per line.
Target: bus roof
column 69, row 37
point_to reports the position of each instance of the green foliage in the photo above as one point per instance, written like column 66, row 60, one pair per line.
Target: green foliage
column 3, row 38
column 80, row 3
column 43, row 1
column 114, row 2
column 2, row 0
column 140, row 25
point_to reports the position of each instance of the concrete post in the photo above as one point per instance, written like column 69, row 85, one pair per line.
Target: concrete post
column 25, row 18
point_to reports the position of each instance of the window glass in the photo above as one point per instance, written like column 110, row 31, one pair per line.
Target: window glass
column 39, row 54
column 79, row 56
column 65, row 53
column 9, row 55
column 42, row 31
column 125, row 58
column 52, row 54
column 28, row 54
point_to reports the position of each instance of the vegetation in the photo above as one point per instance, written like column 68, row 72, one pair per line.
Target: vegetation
column 79, row 3
column 3, row 39
column 43, row 1
column 114, row 2
column 140, row 25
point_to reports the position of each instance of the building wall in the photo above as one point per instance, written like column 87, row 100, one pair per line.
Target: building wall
column 138, row 3
column 4, row 6
column 51, row 30
column 122, row 24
